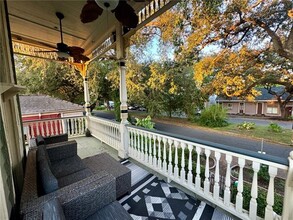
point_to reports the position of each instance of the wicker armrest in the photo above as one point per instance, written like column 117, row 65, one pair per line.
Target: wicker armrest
column 78, row 200
column 30, row 190
column 62, row 150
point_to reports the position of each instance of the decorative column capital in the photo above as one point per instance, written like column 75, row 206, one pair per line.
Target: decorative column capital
column 122, row 63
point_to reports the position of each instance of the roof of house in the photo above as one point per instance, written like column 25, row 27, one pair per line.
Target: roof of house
column 34, row 104
column 265, row 95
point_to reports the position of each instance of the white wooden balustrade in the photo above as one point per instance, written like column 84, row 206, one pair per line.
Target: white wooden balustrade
column 174, row 158
column 187, row 163
column 107, row 131
column 74, row 126
column 150, row 9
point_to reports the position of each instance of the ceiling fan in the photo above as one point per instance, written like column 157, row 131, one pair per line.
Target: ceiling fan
column 123, row 11
column 64, row 51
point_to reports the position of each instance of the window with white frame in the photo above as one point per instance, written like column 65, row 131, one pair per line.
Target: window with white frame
column 272, row 109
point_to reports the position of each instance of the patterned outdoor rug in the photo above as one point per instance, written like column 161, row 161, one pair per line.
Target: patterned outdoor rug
column 156, row 199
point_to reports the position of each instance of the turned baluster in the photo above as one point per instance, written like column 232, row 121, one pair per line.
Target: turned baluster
column 164, row 155
column 239, row 196
column 182, row 172
column 170, row 166
column 197, row 178
column 217, row 176
column 176, row 169
column 159, row 153
column 254, row 192
column 207, row 173
column 190, row 175
column 269, row 212
column 227, row 193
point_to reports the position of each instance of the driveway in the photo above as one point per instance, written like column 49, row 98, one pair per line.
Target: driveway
column 216, row 137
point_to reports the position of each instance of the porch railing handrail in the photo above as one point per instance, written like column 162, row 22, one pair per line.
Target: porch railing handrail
column 249, row 154
column 51, row 119
column 104, row 119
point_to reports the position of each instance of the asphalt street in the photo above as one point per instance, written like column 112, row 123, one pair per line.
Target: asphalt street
column 217, row 137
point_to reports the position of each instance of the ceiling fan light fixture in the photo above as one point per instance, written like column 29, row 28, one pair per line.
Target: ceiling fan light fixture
column 62, row 54
column 108, row 5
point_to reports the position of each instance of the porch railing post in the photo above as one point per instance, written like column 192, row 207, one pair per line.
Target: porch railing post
column 288, row 195
column 120, row 51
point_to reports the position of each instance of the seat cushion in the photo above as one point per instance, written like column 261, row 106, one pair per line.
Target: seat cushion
column 52, row 210
column 67, row 166
column 48, row 180
column 74, row 177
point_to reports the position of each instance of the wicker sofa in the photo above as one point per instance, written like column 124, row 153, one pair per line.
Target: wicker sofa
column 54, row 172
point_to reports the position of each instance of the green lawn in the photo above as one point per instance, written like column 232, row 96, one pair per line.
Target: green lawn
column 283, row 137
column 258, row 132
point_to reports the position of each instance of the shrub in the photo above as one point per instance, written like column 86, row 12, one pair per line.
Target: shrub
column 214, row 116
column 145, row 122
column 117, row 110
column 100, row 108
column 261, row 200
column 246, row 125
column 263, row 173
column 274, row 127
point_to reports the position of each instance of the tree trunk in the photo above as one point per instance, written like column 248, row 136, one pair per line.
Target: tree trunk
column 283, row 105
column 283, row 111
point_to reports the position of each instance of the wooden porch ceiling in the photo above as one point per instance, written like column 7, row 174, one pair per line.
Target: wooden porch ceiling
column 34, row 25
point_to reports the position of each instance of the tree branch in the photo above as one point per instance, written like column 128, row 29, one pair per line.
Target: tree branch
column 277, row 43
column 289, row 42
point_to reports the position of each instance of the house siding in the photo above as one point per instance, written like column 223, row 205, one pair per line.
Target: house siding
column 232, row 108
column 250, row 108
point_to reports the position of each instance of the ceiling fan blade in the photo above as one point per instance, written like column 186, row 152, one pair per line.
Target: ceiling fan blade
column 90, row 12
column 126, row 15
column 75, row 50
column 78, row 58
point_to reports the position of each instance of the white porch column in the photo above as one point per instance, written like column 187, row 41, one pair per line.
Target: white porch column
column 86, row 95
column 120, row 52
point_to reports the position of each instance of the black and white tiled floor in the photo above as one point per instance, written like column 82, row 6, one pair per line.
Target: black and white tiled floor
column 152, row 198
